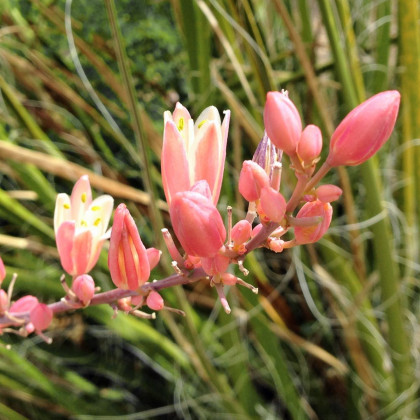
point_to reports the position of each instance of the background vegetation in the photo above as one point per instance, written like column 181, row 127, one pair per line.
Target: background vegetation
column 334, row 332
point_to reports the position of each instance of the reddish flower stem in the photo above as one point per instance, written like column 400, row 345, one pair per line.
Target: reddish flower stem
column 112, row 296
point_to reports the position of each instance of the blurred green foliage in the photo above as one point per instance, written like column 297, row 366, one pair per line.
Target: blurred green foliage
column 333, row 332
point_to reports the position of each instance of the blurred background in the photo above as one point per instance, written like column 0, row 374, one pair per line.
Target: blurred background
column 334, row 331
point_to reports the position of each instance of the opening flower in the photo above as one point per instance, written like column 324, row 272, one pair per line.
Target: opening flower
column 80, row 226
column 193, row 152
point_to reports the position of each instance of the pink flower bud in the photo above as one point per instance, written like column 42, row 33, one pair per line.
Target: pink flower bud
column 2, row 271
column 215, row 265
column 272, row 204
column 127, row 257
column 364, row 130
column 328, row 193
column 153, row 255
column 41, row 316
column 256, row 230
column 310, row 144
column 84, row 288
column 282, row 122
column 3, row 302
column 124, row 304
column 155, row 301
column 241, row 232
column 252, row 180
column 137, row 300
column 310, row 234
column 229, row 279
column 276, row 245
column 197, row 224
column 24, row 304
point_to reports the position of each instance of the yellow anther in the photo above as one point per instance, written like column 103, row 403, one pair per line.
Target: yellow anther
column 97, row 221
column 66, row 206
column 83, row 223
column 83, row 197
column 96, row 208
column 181, row 124
column 202, row 123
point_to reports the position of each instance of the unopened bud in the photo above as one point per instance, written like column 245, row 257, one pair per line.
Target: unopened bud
column 41, row 316
column 155, row 301
column 313, row 233
column 364, row 130
column 241, row 232
column 282, row 122
column 229, row 279
column 272, row 204
column 276, row 245
column 310, row 144
column 252, row 180
column 84, row 288
column 24, row 304
column 197, row 224
column 256, row 230
column 127, row 257
column 328, row 193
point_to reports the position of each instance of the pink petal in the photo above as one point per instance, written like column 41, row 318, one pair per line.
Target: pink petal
column 2, row 271
column 174, row 164
column 142, row 262
column 207, row 155
column 181, row 112
column 41, row 316
column 81, row 252
column 114, row 244
column 65, row 240
column 153, row 256
column 155, row 301
column 24, row 304
column 81, row 197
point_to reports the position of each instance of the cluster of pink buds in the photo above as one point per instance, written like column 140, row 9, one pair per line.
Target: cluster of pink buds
column 27, row 314
column 193, row 158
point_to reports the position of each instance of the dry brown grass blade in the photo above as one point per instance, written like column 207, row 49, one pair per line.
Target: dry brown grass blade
column 72, row 172
column 28, row 244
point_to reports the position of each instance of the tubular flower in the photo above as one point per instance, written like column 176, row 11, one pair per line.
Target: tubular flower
column 364, row 130
column 197, row 224
column 193, row 152
column 80, row 226
column 128, row 261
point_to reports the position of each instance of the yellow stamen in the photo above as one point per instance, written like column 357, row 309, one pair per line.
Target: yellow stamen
column 83, row 197
column 181, row 124
column 66, row 206
column 96, row 208
column 83, row 223
column 202, row 123
column 97, row 221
